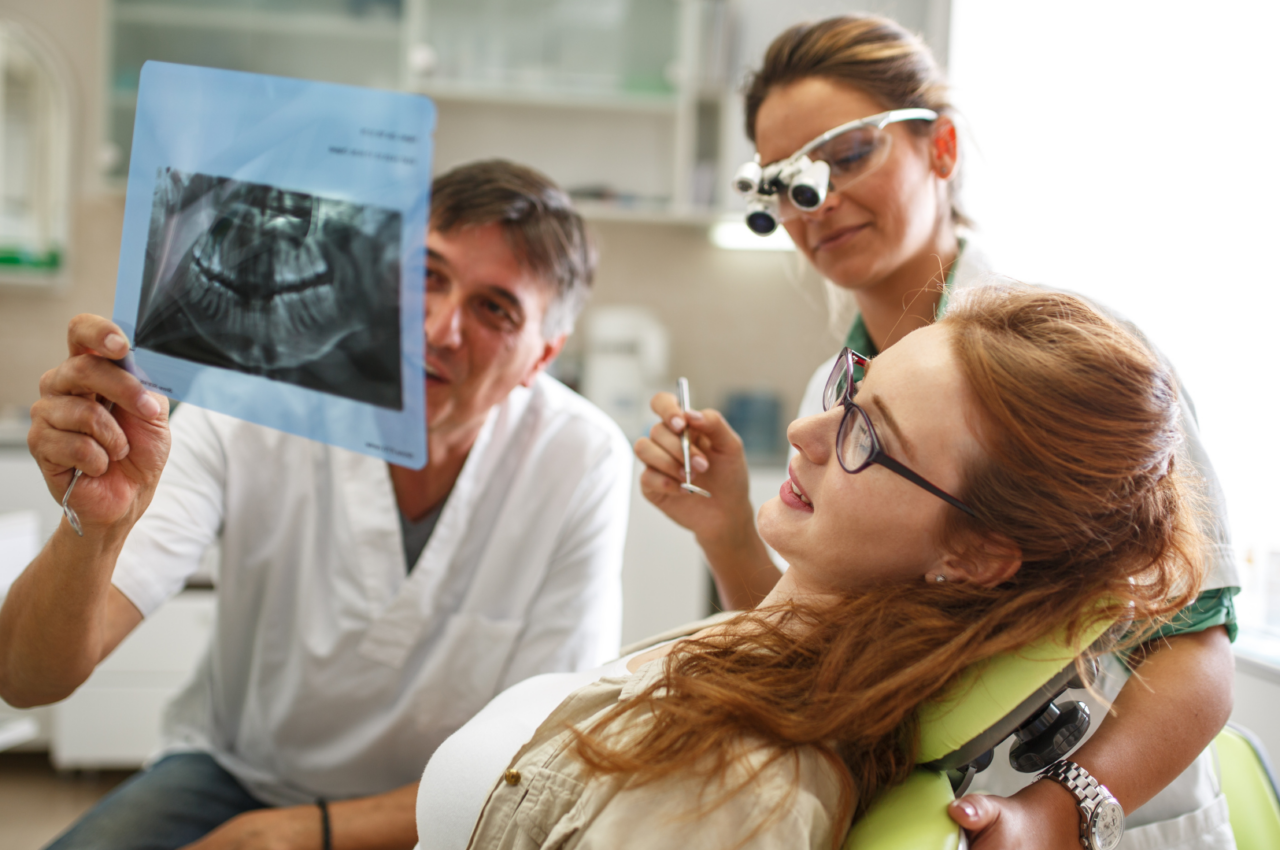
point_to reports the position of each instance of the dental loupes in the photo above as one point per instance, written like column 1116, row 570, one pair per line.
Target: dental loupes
column 682, row 385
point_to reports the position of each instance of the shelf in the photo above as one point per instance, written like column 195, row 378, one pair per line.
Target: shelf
column 647, row 214
column 663, row 104
column 257, row 22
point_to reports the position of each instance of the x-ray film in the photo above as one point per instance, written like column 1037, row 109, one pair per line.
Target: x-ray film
column 272, row 256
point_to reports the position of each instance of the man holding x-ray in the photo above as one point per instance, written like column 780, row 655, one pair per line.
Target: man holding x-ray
column 365, row 611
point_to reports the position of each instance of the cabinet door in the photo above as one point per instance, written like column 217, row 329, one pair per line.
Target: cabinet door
column 170, row 641
column 357, row 42
column 108, row 727
column 113, row 720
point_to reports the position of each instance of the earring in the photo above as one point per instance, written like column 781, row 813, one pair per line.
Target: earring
column 939, row 578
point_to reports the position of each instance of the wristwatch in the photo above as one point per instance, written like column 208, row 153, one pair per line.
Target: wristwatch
column 1101, row 817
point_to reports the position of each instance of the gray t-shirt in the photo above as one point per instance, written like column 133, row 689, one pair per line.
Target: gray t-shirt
column 416, row 533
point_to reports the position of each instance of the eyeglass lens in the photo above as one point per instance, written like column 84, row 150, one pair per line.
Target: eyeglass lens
column 851, row 155
column 855, row 442
column 837, row 384
column 854, row 153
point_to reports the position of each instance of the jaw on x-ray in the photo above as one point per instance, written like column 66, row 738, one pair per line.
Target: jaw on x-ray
column 287, row 285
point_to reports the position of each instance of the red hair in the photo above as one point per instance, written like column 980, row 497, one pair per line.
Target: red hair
column 1080, row 427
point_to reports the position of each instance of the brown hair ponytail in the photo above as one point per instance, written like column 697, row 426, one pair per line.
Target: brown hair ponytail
column 872, row 54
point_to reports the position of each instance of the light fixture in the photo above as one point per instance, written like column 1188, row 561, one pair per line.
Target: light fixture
column 734, row 235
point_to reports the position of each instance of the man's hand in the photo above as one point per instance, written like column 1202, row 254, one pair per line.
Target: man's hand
column 292, row 828
column 1042, row 816
column 381, row 822
column 62, row 615
column 121, row 451
column 724, row 524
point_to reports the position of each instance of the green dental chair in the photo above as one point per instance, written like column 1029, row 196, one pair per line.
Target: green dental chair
column 1249, row 782
column 1014, row 696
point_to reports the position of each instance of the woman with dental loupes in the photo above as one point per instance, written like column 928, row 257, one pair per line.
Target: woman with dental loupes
column 857, row 158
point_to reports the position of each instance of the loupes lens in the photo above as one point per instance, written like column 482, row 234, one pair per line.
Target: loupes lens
column 760, row 218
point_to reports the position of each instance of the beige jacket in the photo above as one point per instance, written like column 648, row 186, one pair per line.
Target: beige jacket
column 545, row 799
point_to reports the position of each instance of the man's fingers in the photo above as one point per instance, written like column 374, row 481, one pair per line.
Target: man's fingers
column 88, row 374
column 87, row 333
column 74, row 416
column 63, row 451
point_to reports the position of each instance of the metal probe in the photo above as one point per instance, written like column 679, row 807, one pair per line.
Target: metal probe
column 682, row 385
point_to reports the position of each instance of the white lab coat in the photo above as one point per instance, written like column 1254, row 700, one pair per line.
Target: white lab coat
column 1190, row 813
column 332, row 674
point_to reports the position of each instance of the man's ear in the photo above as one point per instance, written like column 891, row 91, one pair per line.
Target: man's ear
column 987, row 561
column 550, row 348
column 944, row 148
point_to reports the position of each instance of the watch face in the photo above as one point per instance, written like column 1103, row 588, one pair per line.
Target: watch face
column 1106, row 827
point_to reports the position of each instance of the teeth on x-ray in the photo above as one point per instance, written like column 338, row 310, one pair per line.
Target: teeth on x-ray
column 283, row 284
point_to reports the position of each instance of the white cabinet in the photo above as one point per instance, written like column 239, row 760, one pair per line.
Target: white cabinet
column 665, row 580
column 113, row 719
column 617, row 100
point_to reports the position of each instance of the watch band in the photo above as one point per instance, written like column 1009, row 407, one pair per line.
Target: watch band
column 1075, row 779
column 1090, row 796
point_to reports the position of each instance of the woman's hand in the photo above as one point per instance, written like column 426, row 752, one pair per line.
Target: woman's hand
column 1042, row 816
column 724, row 524
column 719, row 466
column 122, row 451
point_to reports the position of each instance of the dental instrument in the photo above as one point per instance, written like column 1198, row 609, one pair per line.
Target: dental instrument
column 682, row 385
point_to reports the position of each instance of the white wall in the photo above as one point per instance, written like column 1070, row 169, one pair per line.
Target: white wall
column 1126, row 150
column 1257, row 695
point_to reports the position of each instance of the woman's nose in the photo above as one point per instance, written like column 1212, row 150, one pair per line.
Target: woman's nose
column 815, row 436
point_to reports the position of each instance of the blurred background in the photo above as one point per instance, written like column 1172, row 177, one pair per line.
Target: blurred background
column 1113, row 148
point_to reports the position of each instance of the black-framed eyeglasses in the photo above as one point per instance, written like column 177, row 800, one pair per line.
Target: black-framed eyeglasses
column 857, row 444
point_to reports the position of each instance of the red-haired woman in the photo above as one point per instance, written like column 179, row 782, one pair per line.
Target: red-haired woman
column 859, row 103
column 1003, row 473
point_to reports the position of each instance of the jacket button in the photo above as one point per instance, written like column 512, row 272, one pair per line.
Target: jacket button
column 511, row 777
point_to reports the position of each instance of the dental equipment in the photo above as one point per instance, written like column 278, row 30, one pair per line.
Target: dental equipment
column 800, row 183
column 682, row 385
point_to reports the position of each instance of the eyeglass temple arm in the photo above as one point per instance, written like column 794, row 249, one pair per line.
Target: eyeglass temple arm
column 878, row 121
column 890, row 463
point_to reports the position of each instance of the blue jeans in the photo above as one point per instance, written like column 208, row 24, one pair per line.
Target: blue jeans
column 177, row 800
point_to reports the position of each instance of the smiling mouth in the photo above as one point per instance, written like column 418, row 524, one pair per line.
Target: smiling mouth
column 793, row 497
column 829, row 239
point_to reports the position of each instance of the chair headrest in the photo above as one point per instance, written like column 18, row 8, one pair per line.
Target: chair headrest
column 993, row 699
